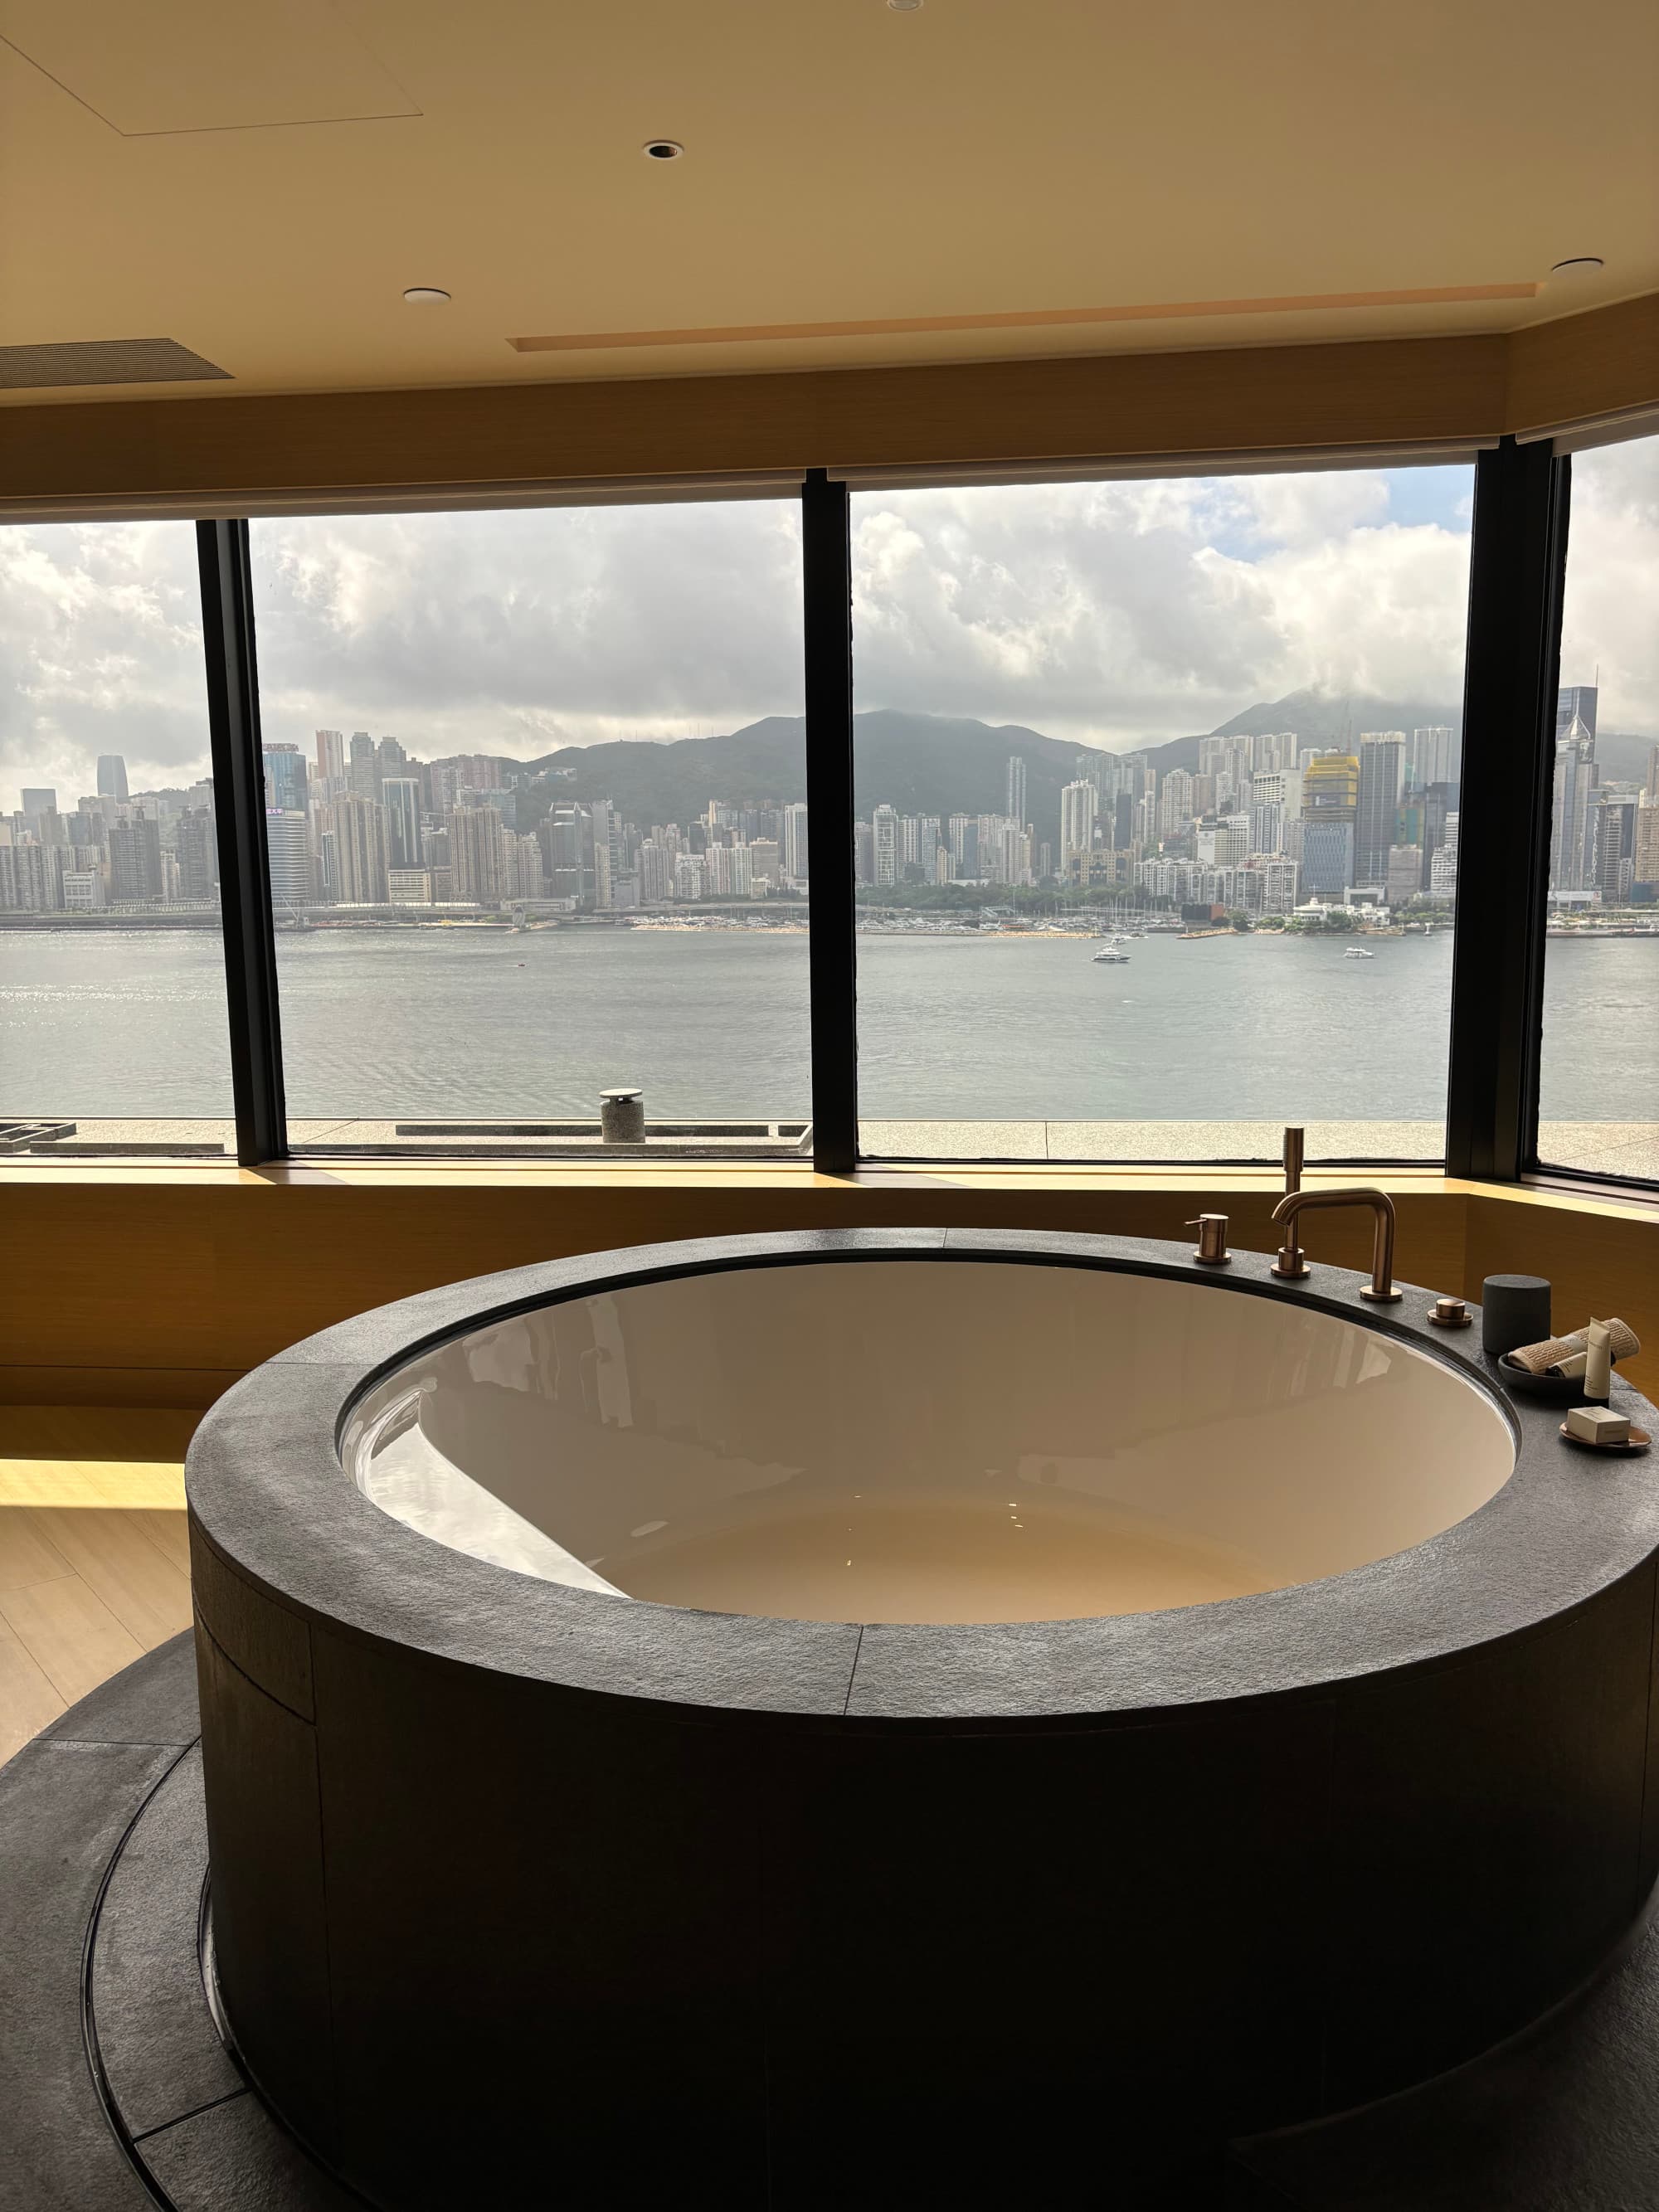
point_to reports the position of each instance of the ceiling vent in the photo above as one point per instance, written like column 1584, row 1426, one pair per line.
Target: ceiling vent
column 101, row 360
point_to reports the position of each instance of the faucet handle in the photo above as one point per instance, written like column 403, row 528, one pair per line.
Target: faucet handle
column 1294, row 1148
column 1211, row 1250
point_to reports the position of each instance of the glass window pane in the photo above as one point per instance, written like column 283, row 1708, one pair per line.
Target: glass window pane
column 1158, row 791
column 536, row 795
column 113, row 1028
column 1599, row 1088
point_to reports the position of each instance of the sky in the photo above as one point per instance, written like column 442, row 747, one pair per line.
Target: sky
column 1109, row 614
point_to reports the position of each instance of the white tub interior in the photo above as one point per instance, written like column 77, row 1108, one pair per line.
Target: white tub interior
column 895, row 1440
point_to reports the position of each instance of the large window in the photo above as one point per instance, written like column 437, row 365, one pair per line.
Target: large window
column 535, row 787
column 1158, row 790
column 113, row 1028
column 1159, row 795
column 1599, row 1089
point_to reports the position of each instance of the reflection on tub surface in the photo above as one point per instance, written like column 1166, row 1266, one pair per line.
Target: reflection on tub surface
column 928, row 1441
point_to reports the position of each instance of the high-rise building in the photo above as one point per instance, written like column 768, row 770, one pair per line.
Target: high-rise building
column 112, row 777
column 1327, row 848
column 285, row 779
column 135, row 860
column 1382, row 768
column 361, row 766
column 198, row 849
column 1330, row 786
column 883, row 827
column 38, row 801
column 1403, row 878
column 1015, row 808
column 357, row 828
column 796, row 855
column 1570, row 808
column 1175, row 801
column 1431, row 757
column 1576, row 703
column 1644, row 856
column 1078, row 804
column 400, row 795
column 287, row 846
column 477, row 841
column 331, row 761
column 1612, row 838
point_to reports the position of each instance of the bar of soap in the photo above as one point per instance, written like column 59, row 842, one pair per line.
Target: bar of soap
column 1598, row 1424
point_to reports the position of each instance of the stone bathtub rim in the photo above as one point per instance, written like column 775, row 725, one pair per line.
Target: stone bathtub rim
column 267, row 1493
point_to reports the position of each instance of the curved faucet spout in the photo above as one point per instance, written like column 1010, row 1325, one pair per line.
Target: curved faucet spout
column 1290, row 1266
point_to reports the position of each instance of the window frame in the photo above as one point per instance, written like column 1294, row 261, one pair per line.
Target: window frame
column 1517, row 570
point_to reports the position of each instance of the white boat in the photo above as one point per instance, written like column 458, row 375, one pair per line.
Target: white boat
column 1112, row 951
column 1357, row 952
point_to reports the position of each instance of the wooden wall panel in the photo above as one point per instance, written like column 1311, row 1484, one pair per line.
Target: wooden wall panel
column 203, row 1282
column 1600, row 1259
column 1251, row 398
column 1239, row 399
column 1584, row 367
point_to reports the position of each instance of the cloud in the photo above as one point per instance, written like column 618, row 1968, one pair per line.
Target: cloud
column 101, row 651
column 1110, row 612
column 1130, row 611
column 1610, row 621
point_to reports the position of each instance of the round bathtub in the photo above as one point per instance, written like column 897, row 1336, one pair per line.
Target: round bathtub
column 968, row 1440
column 898, row 1716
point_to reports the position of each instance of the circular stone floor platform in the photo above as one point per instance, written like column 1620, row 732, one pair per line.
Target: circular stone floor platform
column 117, row 2092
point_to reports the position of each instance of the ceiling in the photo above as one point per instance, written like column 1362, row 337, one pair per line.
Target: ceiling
column 259, row 180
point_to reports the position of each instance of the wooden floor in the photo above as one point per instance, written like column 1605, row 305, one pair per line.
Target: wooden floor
column 94, row 1568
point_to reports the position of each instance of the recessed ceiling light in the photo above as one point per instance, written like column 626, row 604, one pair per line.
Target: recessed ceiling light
column 425, row 295
column 663, row 149
column 1581, row 264
column 904, row 6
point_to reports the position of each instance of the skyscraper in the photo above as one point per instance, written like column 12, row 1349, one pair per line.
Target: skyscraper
column 112, row 777
column 1328, row 869
column 198, row 854
column 361, row 768
column 796, row 856
column 331, row 761
column 1431, row 757
column 884, row 824
column 285, row 779
column 477, row 843
column 1330, row 786
column 400, row 795
column 1575, row 780
column 1382, row 766
column 1078, row 803
column 1576, row 703
column 38, row 801
column 357, row 828
column 135, row 860
column 288, row 846
column 1016, row 807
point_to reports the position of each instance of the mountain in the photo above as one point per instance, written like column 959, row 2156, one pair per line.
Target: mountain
column 919, row 763
column 1622, row 759
column 1330, row 717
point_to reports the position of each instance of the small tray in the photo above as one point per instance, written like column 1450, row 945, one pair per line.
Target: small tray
column 1637, row 1442
column 1556, row 1390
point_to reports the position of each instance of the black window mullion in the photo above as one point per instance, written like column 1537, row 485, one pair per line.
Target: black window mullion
column 827, row 590
column 1518, row 560
column 239, row 802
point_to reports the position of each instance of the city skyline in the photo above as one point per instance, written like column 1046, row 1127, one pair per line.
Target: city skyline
column 1263, row 825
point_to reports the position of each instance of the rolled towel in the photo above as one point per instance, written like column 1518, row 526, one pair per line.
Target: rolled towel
column 1539, row 1359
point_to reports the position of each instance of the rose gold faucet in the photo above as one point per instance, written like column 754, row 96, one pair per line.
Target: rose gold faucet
column 1381, row 1291
column 1292, row 1263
